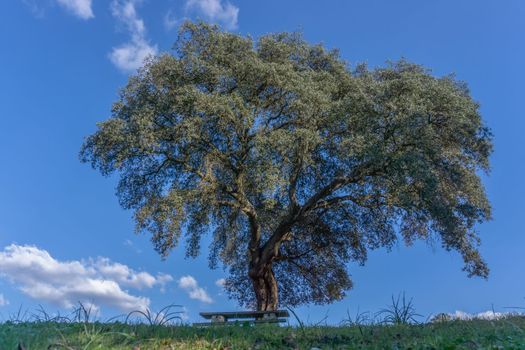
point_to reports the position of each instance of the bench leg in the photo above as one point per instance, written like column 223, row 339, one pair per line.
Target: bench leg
column 218, row 319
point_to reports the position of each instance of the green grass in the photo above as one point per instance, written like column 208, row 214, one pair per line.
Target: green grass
column 508, row 333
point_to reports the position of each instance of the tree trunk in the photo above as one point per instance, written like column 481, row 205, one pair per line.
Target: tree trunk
column 265, row 288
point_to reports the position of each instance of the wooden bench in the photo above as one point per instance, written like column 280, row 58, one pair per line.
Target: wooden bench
column 224, row 318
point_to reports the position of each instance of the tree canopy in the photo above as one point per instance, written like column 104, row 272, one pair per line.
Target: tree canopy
column 295, row 163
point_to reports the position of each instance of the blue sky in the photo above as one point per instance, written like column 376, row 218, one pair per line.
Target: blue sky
column 63, row 236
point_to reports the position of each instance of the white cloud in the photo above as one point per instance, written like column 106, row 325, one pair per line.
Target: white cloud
column 216, row 11
column 188, row 282
column 220, row 282
column 485, row 315
column 163, row 279
column 130, row 56
column 80, row 8
column 171, row 21
column 190, row 285
column 64, row 283
column 128, row 277
column 3, row 300
column 491, row 315
column 126, row 12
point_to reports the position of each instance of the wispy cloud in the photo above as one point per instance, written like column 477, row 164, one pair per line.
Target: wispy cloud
column 190, row 285
column 3, row 300
column 171, row 20
column 80, row 8
column 163, row 279
column 130, row 56
column 220, row 282
column 64, row 283
column 37, row 9
column 223, row 13
column 129, row 243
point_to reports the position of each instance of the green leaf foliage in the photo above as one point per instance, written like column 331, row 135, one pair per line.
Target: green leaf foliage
column 287, row 156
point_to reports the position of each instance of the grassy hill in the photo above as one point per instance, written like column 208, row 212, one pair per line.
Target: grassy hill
column 506, row 333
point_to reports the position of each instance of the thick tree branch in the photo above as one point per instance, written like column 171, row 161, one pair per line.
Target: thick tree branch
column 294, row 177
column 271, row 247
column 362, row 201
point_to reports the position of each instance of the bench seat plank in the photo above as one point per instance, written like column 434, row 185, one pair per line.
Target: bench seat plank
column 245, row 314
column 230, row 323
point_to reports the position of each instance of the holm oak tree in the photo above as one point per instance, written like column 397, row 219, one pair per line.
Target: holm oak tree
column 293, row 162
